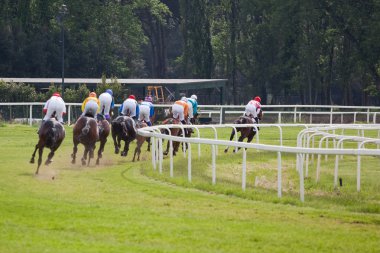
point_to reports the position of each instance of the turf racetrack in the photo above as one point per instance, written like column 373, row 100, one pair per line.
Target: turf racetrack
column 116, row 207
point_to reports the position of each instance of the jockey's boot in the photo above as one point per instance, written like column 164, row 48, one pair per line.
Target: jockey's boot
column 149, row 123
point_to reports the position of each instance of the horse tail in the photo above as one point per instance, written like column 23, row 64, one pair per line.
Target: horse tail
column 104, row 107
column 86, row 128
column 50, row 136
column 124, row 127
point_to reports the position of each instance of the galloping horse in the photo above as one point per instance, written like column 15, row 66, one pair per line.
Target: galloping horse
column 140, row 141
column 245, row 132
column 104, row 131
column 86, row 132
column 125, row 128
column 173, row 132
column 51, row 135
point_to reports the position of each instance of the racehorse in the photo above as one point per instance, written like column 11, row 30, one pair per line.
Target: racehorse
column 104, row 131
column 173, row 132
column 125, row 128
column 140, row 141
column 51, row 135
column 86, row 132
column 245, row 132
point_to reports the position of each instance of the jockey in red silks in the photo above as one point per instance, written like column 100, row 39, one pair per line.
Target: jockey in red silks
column 91, row 105
column 56, row 107
column 130, row 107
column 253, row 108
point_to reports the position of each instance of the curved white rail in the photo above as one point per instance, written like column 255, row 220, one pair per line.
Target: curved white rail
column 303, row 146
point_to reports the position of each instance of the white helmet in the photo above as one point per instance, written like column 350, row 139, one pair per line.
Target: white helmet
column 194, row 97
column 184, row 99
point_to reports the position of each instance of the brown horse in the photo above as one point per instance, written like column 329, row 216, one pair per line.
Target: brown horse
column 104, row 131
column 140, row 141
column 86, row 132
column 173, row 132
column 245, row 132
column 51, row 135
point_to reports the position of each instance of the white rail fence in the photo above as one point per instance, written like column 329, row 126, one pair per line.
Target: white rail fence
column 32, row 110
column 303, row 150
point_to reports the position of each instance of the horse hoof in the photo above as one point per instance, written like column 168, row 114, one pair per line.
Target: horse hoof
column 225, row 151
column 31, row 160
column 116, row 151
column 47, row 163
column 97, row 162
column 83, row 163
column 73, row 161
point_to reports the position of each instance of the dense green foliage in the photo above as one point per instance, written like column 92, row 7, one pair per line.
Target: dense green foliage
column 306, row 52
column 114, row 207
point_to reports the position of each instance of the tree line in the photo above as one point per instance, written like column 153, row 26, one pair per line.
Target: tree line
column 305, row 52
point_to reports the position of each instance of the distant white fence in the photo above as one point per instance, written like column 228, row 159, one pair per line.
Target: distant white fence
column 335, row 114
column 303, row 149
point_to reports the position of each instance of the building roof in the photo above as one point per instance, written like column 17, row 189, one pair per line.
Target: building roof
column 133, row 83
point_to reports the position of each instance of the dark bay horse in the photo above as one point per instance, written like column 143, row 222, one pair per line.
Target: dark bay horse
column 125, row 128
column 245, row 132
column 51, row 135
column 104, row 131
column 86, row 132
column 173, row 132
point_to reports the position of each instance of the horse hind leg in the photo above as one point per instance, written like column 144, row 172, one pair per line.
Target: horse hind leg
column 100, row 151
column 84, row 158
column 74, row 154
column 241, row 138
column 148, row 140
column 50, row 156
column 231, row 137
column 126, row 148
column 34, row 154
column 40, row 151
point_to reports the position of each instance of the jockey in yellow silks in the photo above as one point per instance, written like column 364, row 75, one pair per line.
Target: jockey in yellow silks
column 91, row 105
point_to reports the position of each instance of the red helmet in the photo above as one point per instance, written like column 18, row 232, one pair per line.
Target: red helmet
column 92, row 94
column 132, row 96
column 56, row 94
column 258, row 99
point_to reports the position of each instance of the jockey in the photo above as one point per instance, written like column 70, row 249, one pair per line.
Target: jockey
column 180, row 109
column 130, row 105
column 253, row 108
column 147, row 110
column 56, row 107
column 193, row 107
column 106, row 103
column 91, row 105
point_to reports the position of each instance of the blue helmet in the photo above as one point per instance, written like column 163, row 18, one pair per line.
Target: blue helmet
column 109, row 91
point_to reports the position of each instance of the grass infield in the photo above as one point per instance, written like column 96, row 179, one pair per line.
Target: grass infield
column 122, row 206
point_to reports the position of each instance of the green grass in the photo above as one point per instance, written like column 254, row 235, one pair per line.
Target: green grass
column 122, row 206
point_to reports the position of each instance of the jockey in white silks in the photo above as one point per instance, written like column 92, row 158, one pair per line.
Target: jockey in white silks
column 130, row 107
column 253, row 108
column 106, row 103
column 56, row 107
column 146, row 110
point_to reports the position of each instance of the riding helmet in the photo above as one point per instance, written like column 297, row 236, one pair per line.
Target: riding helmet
column 56, row 94
column 92, row 94
column 132, row 96
column 184, row 99
column 194, row 97
column 109, row 91
column 148, row 99
column 258, row 99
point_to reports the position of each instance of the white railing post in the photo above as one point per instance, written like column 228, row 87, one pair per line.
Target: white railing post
column 244, row 170
column 295, row 114
column 213, row 165
column 189, row 162
column 69, row 116
column 279, row 175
